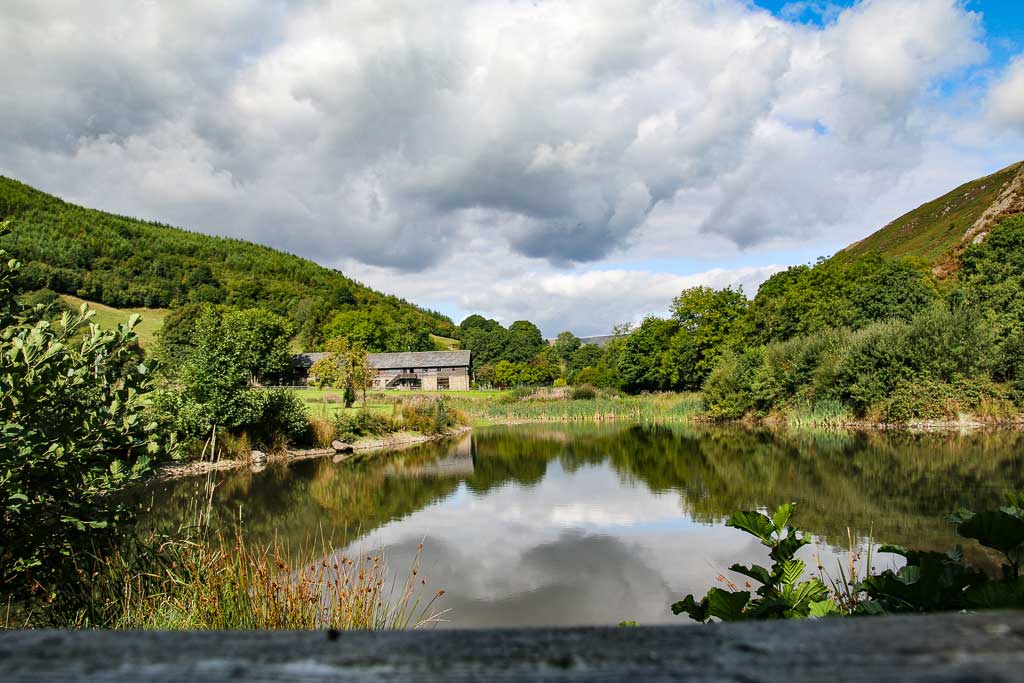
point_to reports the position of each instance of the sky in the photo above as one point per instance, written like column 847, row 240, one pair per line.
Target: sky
column 576, row 164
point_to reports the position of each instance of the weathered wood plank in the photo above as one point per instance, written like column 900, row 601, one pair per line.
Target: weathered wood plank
column 987, row 647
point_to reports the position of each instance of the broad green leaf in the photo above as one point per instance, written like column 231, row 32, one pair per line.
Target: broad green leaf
column 727, row 605
column 698, row 611
column 824, row 608
column 755, row 572
column 792, row 570
column 995, row 529
column 754, row 523
column 782, row 515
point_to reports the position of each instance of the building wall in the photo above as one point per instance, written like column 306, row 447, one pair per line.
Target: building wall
column 458, row 378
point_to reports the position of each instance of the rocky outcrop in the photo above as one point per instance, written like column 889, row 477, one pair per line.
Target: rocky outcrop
column 1009, row 202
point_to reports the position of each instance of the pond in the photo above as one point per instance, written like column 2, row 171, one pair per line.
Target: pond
column 595, row 524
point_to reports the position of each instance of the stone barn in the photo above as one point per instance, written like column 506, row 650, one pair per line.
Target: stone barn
column 429, row 370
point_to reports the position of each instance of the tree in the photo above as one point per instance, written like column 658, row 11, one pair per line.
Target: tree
column 74, row 429
column 706, row 318
column 345, row 367
column 524, row 341
column 641, row 364
column 508, row 374
column 231, row 353
column 566, row 344
column 377, row 330
column 587, row 356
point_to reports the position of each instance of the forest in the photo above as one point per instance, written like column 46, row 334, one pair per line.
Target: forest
column 125, row 262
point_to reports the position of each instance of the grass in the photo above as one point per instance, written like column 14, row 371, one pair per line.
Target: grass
column 200, row 584
column 645, row 408
column 445, row 343
column 934, row 230
column 487, row 407
column 108, row 318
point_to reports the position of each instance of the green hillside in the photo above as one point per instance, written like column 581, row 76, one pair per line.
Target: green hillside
column 127, row 263
column 109, row 318
column 937, row 231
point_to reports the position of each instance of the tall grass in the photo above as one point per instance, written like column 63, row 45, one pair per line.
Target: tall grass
column 822, row 414
column 645, row 408
column 217, row 585
column 204, row 580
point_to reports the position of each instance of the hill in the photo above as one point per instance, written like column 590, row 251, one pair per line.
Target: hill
column 108, row 318
column 127, row 263
column 938, row 231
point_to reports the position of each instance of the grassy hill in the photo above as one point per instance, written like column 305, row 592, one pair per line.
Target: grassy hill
column 108, row 318
column 127, row 263
column 937, row 231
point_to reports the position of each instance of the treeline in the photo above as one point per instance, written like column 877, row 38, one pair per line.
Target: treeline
column 124, row 262
column 869, row 337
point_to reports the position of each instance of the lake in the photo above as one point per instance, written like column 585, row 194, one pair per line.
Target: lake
column 595, row 524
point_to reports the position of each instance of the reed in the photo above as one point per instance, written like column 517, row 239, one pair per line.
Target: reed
column 644, row 408
column 218, row 585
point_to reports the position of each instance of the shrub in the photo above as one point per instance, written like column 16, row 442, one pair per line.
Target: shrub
column 363, row 423
column 74, row 429
column 729, row 391
column 933, row 400
column 321, row 432
column 431, row 416
column 585, row 392
column 560, row 382
column 587, row 375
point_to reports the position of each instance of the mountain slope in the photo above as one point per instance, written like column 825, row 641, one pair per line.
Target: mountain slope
column 938, row 231
column 129, row 263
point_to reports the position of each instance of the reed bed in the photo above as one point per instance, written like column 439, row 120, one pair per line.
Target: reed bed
column 218, row 585
column 645, row 408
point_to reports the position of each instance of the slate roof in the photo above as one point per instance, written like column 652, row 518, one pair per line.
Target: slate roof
column 419, row 359
column 393, row 361
column 306, row 360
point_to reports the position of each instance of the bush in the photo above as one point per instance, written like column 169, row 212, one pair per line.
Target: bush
column 74, row 430
column 560, row 382
column 585, row 392
column 729, row 391
column 932, row 400
column 431, row 416
column 363, row 423
column 321, row 432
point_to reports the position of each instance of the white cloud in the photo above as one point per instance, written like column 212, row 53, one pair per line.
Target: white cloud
column 421, row 137
column 1006, row 99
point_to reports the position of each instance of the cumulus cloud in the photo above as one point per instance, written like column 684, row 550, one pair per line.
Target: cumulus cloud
column 1006, row 99
column 405, row 135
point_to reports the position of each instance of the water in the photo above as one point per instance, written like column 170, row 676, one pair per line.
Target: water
column 595, row 524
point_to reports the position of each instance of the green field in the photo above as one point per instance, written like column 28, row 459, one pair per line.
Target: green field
column 108, row 318
column 327, row 402
column 445, row 343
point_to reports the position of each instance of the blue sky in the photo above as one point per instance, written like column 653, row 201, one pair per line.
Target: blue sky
column 574, row 164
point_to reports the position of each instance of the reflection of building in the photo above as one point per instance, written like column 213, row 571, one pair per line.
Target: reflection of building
column 457, row 462
column 428, row 370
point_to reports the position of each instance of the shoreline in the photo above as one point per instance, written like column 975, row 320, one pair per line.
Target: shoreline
column 917, row 426
column 392, row 442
